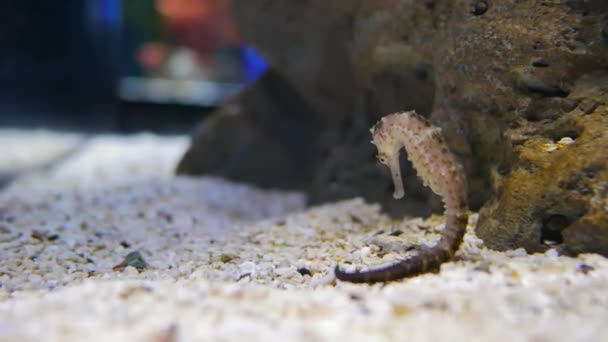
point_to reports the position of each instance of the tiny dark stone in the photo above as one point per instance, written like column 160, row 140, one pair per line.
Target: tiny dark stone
column 304, row 271
column 38, row 235
column 125, row 244
column 244, row 275
column 90, row 261
column 395, row 233
column 483, row 267
column 410, row 248
column 584, row 268
column 52, row 237
column 380, row 232
column 540, row 62
column 479, row 7
column 133, row 259
column 226, row 258
column 355, row 297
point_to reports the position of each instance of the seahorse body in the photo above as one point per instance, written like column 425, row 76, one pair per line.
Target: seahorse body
column 439, row 170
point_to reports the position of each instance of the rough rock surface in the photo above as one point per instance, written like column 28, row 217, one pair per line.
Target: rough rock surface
column 500, row 77
column 264, row 136
column 558, row 194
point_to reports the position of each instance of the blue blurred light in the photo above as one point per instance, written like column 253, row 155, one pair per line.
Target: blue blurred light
column 255, row 65
column 104, row 14
column 110, row 11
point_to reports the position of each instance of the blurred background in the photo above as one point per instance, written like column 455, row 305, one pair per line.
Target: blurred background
column 119, row 65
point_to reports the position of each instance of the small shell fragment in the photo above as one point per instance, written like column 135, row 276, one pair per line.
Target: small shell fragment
column 565, row 141
column 550, row 147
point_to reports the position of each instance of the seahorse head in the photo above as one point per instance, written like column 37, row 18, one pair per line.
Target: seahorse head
column 388, row 152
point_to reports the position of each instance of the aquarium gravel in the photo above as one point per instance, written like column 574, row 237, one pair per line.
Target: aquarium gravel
column 107, row 245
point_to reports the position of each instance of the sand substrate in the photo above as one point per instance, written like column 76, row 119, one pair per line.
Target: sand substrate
column 224, row 261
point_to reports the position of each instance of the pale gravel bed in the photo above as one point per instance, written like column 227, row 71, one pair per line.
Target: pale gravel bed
column 231, row 262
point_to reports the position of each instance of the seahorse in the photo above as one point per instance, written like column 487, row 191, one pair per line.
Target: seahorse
column 439, row 170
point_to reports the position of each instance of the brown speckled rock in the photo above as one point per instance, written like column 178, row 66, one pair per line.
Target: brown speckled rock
column 557, row 192
column 500, row 77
